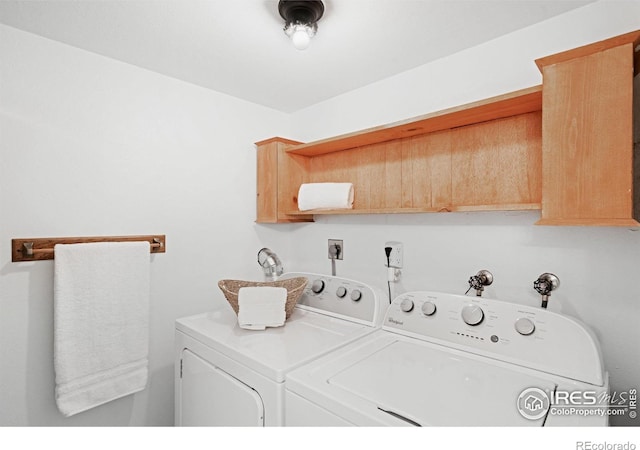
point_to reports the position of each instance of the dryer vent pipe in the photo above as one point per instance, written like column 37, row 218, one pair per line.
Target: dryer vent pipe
column 270, row 263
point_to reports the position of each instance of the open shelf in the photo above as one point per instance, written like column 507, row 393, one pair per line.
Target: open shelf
column 501, row 207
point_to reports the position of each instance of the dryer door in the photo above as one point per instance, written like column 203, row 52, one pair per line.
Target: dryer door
column 212, row 397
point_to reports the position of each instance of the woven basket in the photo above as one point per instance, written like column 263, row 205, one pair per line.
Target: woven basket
column 294, row 287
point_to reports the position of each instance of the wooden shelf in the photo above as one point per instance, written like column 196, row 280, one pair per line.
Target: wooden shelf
column 501, row 207
column 507, row 105
column 478, row 157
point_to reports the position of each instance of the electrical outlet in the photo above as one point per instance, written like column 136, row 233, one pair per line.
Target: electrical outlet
column 395, row 257
column 335, row 249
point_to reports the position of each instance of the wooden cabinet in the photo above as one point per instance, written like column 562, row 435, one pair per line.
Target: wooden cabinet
column 565, row 147
column 587, row 129
column 279, row 177
column 481, row 156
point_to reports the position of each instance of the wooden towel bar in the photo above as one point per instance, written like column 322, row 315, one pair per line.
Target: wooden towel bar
column 39, row 249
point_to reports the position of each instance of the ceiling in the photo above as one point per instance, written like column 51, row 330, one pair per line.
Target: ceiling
column 238, row 47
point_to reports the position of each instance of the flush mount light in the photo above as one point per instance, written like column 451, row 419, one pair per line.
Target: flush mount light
column 301, row 17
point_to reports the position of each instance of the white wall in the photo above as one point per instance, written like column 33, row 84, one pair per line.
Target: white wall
column 599, row 268
column 90, row 146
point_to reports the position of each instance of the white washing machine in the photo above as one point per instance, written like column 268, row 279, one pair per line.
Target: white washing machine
column 452, row 360
column 229, row 376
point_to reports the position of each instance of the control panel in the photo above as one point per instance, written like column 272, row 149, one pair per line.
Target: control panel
column 524, row 335
column 341, row 297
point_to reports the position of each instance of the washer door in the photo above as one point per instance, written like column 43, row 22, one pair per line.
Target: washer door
column 212, row 397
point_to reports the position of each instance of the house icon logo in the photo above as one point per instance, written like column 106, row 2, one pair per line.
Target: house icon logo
column 533, row 403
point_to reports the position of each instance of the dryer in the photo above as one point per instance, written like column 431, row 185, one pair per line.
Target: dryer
column 451, row 360
column 229, row 376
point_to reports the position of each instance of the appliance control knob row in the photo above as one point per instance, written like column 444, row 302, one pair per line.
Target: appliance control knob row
column 525, row 326
column 428, row 308
column 341, row 292
column 472, row 315
column 317, row 286
column 406, row 305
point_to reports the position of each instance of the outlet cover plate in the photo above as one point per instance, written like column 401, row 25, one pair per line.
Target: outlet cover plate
column 337, row 242
column 396, row 256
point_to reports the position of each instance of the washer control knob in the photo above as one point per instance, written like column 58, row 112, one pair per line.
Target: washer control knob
column 356, row 295
column 341, row 292
column 525, row 326
column 317, row 286
column 428, row 308
column 406, row 305
column 472, row 315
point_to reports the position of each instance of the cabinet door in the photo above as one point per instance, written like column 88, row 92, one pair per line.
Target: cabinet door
column 212, row 397
column 587, row 128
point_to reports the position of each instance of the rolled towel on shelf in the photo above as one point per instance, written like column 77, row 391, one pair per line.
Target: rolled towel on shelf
column 261, row 306
column 325, row 196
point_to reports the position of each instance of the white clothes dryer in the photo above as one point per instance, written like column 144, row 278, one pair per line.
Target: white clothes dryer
column 229, row 376
column 452, row 360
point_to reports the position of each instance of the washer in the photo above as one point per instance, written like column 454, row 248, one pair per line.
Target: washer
column 452, row 360
column 229, row 376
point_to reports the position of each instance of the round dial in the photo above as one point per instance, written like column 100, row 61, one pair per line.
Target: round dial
column 317, row 286
column 525, row 326
column 341, row 292
column 472, row 315
column 428, row 308
column 406, row 305
column 356, row 295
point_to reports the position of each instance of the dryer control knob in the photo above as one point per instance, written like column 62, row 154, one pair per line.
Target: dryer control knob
column 428, row 308
column 317, row 286
column 525, row 326
column 472, row 315
column 356, row 295
column 341, row 292
column 406, row 305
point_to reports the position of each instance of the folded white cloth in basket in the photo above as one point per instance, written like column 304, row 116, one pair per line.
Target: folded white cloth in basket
column 325, row 196
column 101, row 322
column 261, row 306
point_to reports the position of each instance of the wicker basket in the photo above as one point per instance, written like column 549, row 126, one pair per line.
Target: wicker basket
column 294, row 287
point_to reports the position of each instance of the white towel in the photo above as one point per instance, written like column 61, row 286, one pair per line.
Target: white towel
column 325, row 196
column 261, row 306
column 101, row 322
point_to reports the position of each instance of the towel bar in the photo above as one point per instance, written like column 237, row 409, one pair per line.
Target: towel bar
column 39, row 249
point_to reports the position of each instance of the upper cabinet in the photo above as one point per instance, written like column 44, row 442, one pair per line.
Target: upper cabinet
column 565, row 147
column 587, row 134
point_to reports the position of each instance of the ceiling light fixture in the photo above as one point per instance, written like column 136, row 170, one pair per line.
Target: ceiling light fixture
column 301, row 17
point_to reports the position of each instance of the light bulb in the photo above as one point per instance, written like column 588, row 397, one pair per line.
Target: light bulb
column 301, row 38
